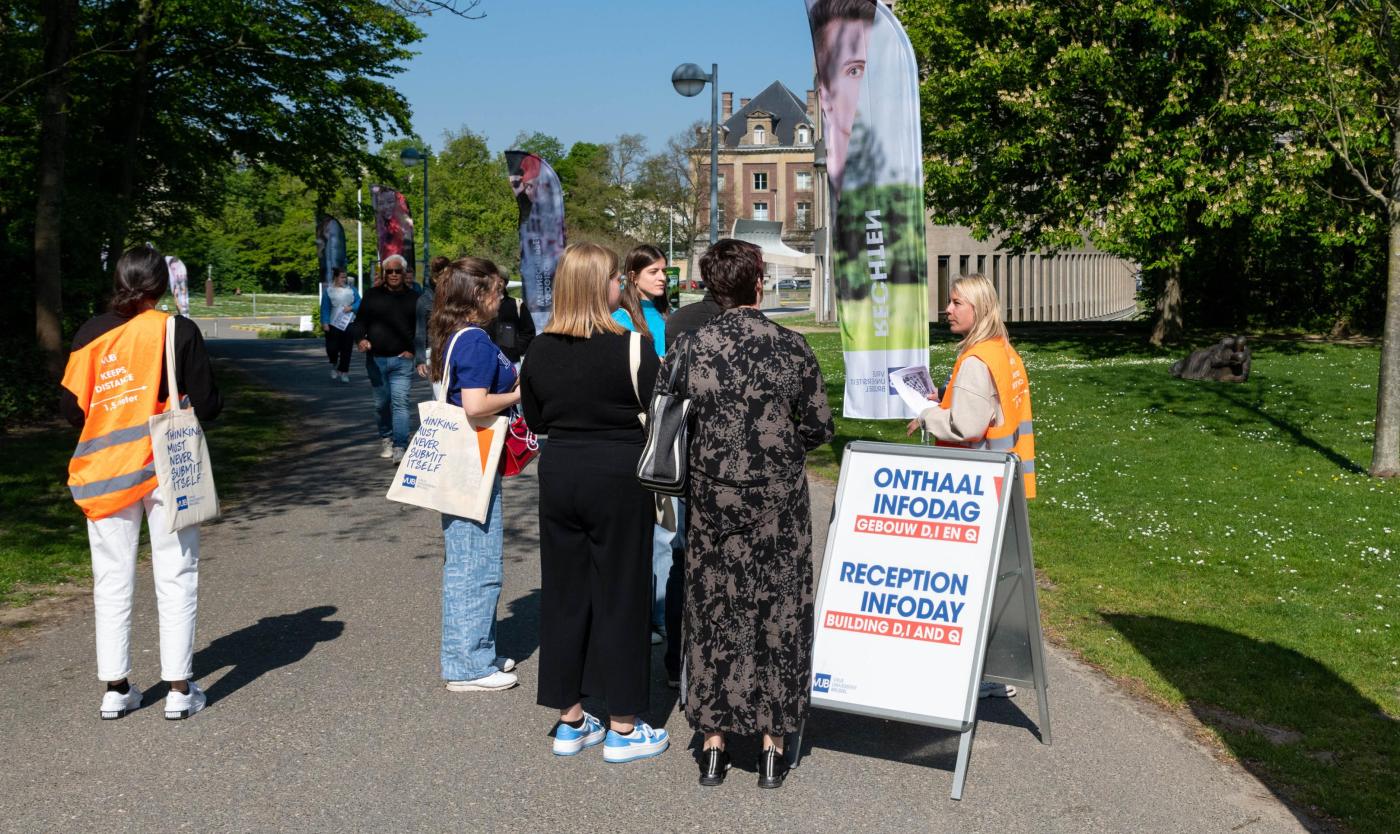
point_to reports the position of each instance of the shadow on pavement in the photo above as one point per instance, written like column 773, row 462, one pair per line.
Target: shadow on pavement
column 1309, row 735
column 518, row 633
column 270, row 643
column 333, row 453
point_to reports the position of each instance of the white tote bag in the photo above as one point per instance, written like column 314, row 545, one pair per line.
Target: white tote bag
column 450, row 465
column 184, row 478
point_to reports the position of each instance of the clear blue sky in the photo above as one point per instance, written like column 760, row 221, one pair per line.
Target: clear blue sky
column 588, row 71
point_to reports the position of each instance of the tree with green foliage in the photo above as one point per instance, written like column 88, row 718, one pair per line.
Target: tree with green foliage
column 473, row 208
column 163, row 98
column 543, row 145
column 1330, row 73
column 1046, row 121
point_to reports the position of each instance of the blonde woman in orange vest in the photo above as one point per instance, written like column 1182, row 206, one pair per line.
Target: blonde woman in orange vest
column 987, row 401
column 115, row 381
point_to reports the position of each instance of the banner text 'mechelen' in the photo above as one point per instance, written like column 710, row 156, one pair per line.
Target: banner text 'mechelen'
column 875, row 262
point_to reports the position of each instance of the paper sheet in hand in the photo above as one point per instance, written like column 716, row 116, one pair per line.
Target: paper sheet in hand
column 342, row 318
column 914, row 385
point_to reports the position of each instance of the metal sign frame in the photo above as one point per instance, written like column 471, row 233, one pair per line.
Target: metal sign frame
column 1010, row 646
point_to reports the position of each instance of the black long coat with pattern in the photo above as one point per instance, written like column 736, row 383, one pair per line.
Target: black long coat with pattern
column 760, row 405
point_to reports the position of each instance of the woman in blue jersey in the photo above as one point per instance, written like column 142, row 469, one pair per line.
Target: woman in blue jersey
column 643, row 308
column 482, row 381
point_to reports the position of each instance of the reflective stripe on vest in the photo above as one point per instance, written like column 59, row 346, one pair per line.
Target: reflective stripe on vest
column 116, row 380
column 117, row 484
column 1017, row 432
column 111, row 438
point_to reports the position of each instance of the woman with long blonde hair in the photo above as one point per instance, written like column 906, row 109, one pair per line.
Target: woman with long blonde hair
column 580, row 386
column 481, row 380
column 987, row 401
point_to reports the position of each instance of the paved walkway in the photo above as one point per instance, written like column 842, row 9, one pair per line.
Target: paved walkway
column 318, row 647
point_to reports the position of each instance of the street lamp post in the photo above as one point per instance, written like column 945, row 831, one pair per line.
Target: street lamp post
column 689, row 80
column 410, row 157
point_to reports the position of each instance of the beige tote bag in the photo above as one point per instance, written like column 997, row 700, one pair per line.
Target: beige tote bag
column 451, row 462
column 184, row 479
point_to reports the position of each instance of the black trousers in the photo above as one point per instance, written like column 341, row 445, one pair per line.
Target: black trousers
column 595, row 576
column 338, row 348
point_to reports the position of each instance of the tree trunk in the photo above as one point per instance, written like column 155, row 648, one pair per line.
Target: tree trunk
column 1167, row 327
column 59, row 25
column 1385, row 455
column 135, row 115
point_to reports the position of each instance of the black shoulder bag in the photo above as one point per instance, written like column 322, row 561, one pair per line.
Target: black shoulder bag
column 662, row 467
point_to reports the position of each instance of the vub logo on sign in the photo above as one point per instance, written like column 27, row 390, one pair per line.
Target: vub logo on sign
column 182, row 502
column 822, row 683
column 410, row 481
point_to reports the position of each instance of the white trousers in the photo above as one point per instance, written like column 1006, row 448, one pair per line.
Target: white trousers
column 175, row 563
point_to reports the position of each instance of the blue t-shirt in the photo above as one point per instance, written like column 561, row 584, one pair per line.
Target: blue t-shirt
column 476, row 362
column 655, row 323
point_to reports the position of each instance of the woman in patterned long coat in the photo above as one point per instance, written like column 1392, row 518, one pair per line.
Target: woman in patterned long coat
column 760, row 406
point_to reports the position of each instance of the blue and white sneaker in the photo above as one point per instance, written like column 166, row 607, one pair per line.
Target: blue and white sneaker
column 570, row 742
column 642, row 743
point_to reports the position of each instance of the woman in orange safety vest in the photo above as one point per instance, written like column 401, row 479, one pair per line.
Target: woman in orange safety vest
column 115, row 381
column 987, row 401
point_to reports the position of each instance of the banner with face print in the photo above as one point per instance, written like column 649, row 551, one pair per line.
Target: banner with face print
column 330, row 247
column 392, row 224
column 868, row 82
column 541, row 201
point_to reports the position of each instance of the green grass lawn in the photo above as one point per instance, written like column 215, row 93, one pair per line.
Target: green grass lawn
column 243, row 306
column 43, row 537
column 1219, row 547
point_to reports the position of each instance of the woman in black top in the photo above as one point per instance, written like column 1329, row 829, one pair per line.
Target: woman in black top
column 595, row 518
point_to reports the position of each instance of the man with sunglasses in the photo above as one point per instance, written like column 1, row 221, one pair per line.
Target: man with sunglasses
column 383, row 330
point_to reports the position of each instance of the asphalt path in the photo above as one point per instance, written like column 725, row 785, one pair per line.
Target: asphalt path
column 318, row 641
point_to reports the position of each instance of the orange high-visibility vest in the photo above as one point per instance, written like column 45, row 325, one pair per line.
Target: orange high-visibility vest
column 116, row 379
column 1016, row 432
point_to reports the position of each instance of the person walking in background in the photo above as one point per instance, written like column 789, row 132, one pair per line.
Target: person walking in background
column 179, row 283
column 759, row 405
column 642, row 308
column 481, row 380
column 383, row 330
column 114, row 382
column 987, row 401
column 511, row 331
column 338, row 305
column 578, row 386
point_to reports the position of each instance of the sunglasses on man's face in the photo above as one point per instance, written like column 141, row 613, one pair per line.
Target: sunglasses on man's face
column 394, row 272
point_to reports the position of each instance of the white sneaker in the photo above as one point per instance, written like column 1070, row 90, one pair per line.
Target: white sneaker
column 179, row 705
column 115, row 704
column 398, row 454
column 344, row 377
column 386, row 447
column 989, row 689
column 494, row 682
column 505, row 664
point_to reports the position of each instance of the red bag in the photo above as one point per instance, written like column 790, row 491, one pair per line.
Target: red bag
column 521, row 447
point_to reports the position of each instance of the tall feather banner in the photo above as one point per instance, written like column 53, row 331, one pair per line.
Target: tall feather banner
column 392, row 224
column 868, row 81
column 541, row 201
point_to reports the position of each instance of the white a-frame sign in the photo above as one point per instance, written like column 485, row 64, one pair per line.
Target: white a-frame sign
column 927, row 589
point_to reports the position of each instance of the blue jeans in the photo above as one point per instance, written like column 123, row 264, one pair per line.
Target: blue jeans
column 663, row 544
column 471, row 587
column 391, row 378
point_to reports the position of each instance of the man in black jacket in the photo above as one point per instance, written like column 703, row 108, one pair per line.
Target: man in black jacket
column 383, row 330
